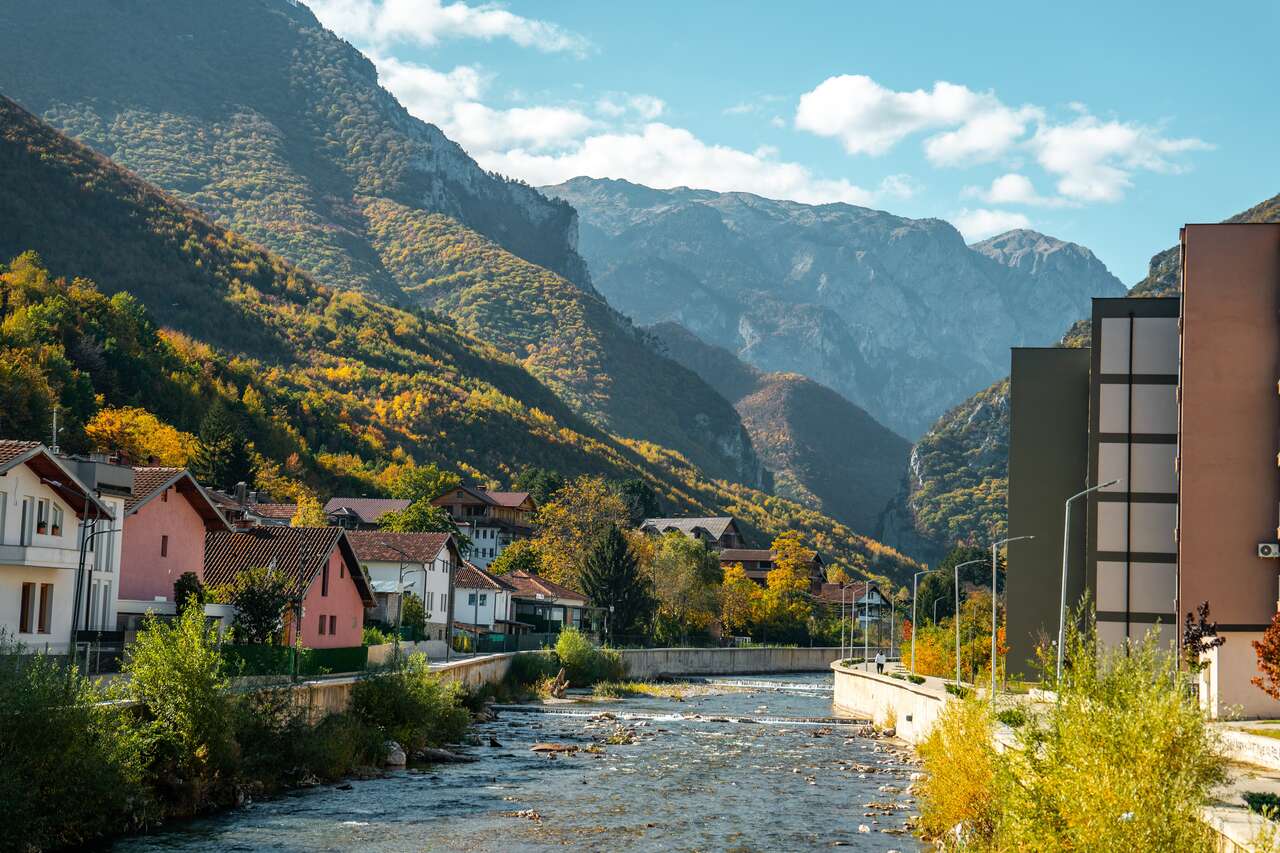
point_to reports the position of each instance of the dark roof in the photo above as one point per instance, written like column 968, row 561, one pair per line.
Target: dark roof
column 528, row 585
column 831, row 594
column 297, row 552
column 716, row 526
column 150, row 481
column 369, row 510
column 508, row 499
column 380, row 545
column 468, row 576
column 55, row 475
column 738, row 555
column 478, row 494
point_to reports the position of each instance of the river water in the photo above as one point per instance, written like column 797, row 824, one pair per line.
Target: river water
column 763, row 769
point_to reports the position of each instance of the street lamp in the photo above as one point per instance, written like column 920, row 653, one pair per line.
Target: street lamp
column 914, row 589
column 957, row 568
column 1066, row 545
column 994, row 546
column 404, row 558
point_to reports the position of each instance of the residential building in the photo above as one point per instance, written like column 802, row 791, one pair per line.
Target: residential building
column 361, row 513
column 424, row 563
column 862, row 600
column 329, row 589
column 758, row 562
column 165, row 522
column 491, row 520
column 48, row 515
column 549, row 607
column 483, row 603
column 716, row 532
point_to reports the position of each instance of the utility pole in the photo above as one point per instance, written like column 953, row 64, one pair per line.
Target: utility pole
column 1066, row 546
column 957, row 569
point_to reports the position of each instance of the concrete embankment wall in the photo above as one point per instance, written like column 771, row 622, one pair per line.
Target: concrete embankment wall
column 654, row 663
column 912, row 708
column 333, row 695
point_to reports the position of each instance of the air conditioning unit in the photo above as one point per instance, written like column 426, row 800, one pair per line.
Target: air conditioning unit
column 1269, row 550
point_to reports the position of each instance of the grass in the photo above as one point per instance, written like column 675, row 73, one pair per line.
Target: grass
column 677, row 690
column 1271, row 733
column 1264, row 803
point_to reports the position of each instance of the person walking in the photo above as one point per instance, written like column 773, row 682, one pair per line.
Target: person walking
column 880, row 663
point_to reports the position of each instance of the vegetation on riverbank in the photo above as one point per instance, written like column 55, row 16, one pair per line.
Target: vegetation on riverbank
column 1122, row 760
column 173, row 740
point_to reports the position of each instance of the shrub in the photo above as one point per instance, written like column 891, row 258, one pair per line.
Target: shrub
column 411, row 706
column 958, row 690
column 528, row 668
column 1263, row 802
column 959, row 787
column 1014, row 718
column 62, row 782
column 584, row 663
column 374, row 636
column 915, row 679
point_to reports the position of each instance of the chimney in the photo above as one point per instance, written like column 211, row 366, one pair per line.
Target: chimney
column 241, row 490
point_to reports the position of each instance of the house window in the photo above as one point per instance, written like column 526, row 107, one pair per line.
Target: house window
column 431, row 601
column 4, row 501
column 28, row 520
column 342, row 570
column 164, row 546
column 45, row 621
column 471, row 599
column 484, row 599
column 333, row 624
column 24, row 615
column 323, row 623
column 444, row 602
column 105, row 613
column 164, row 496
column 324, row 580
column 42, row 516
column 57, row 520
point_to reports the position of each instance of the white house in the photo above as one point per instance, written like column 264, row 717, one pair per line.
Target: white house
column 423, row 563
column 482, row 601
column 491, row 520
column 52, row 508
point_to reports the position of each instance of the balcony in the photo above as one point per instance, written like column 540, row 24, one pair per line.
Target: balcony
column 39, row 556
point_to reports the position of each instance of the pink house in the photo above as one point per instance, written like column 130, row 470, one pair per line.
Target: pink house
column 165, row 522
column 325, row 576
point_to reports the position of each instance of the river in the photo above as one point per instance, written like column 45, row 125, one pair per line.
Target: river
column 760, row 769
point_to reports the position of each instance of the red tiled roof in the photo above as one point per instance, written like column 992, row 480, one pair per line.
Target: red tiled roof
column 508, row 499
column 528, row 585
column 468, row 576
column 55, row 474
column 297, row 552
column 150, row 481
column 11, row 449
column 380, row 546
column 273, row 510
column 147, row 481
column 368, row 509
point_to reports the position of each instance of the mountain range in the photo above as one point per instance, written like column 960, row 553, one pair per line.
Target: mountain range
column 898, row 315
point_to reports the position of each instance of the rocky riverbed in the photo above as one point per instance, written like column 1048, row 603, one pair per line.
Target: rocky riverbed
column 754, row 768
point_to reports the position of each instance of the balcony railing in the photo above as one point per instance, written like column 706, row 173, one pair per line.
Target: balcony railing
column 39, row 556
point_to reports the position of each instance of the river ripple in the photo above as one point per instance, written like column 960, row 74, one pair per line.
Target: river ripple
column 685, row 784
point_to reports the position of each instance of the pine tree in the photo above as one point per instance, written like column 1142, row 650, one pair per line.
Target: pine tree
column 222, row 456
column 611, row 579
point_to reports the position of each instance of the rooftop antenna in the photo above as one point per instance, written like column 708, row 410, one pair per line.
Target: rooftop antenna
column 53, row 446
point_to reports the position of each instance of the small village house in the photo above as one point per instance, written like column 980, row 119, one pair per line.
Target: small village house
column 483, row 603
column 758, row 562
column 717, row 532
column 492, row 520
column 361, row 513
column 550, row 607
column 326, row 580
column 423, row 563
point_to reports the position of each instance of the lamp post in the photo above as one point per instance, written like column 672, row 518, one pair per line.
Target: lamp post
column 957, row 568
column 914, row 589
column 404, row 558
column 994, row 547
column 1066, row 546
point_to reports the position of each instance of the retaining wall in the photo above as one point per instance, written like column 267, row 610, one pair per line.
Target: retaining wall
column 913, row 708
column 652, row 663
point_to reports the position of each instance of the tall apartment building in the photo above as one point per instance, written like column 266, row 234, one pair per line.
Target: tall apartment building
column 1184, row 410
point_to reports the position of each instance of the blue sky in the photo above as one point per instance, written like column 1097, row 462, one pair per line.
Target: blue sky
column 1106, row 124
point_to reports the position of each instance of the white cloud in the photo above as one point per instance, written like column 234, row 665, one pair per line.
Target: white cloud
column 665, row 156
column 1095, row 160
column 427, row 22
column 870, row 119
column 980, row 223
column 619, row 104
column 1014, row 188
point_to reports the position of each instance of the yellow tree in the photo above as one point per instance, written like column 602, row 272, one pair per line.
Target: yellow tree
column 582, row 511
column 686, row 581
column 785, row 606
column 739, row 600
column 140, row 435
column 309, row 512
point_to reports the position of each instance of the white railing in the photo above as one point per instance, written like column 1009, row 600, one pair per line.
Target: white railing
column 39, row 556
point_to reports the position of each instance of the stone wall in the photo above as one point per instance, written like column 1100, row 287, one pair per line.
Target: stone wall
column 652, row 663
column 912, row 708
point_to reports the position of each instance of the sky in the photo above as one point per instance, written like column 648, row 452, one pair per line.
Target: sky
column 1106, row 124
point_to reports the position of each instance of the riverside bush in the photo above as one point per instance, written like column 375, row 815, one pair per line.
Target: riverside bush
column 1123, row 760
column 527, row 668
column 411, row 706
column 584, row 663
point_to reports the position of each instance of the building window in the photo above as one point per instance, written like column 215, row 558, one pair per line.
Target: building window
column 324, row 580
column 471, row 599
column 45, row 623
column 57, row 520
column 323, row 623
column 484, row 599
column 164, row 546
column 4, row 501
column 444, row 602
column 164, row 496
column 333, row 624
column 42, row 516
column 28, row 520
column 24, row 615
column 342, row 570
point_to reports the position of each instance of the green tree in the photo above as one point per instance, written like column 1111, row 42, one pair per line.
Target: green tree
column 520, row 556
column 189, row 592
column 223, row 456
column 418, row 482
column 611, row 579
column 939, row 585
column 640, row 499
column 423, row 517
column 686, row 579
column 260, row 596
column 414, row 614
column 542, row 484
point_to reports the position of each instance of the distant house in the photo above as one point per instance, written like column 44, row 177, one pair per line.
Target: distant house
column 483, row 603
column 429, row 562
column 165, row 522
column 550, row 607
column 716, row 532
column 48, row 504
column 361, row 513
column 867, row 602
column 324, row 576
column 243, row 509
column 758, row 562
column 492, row 520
